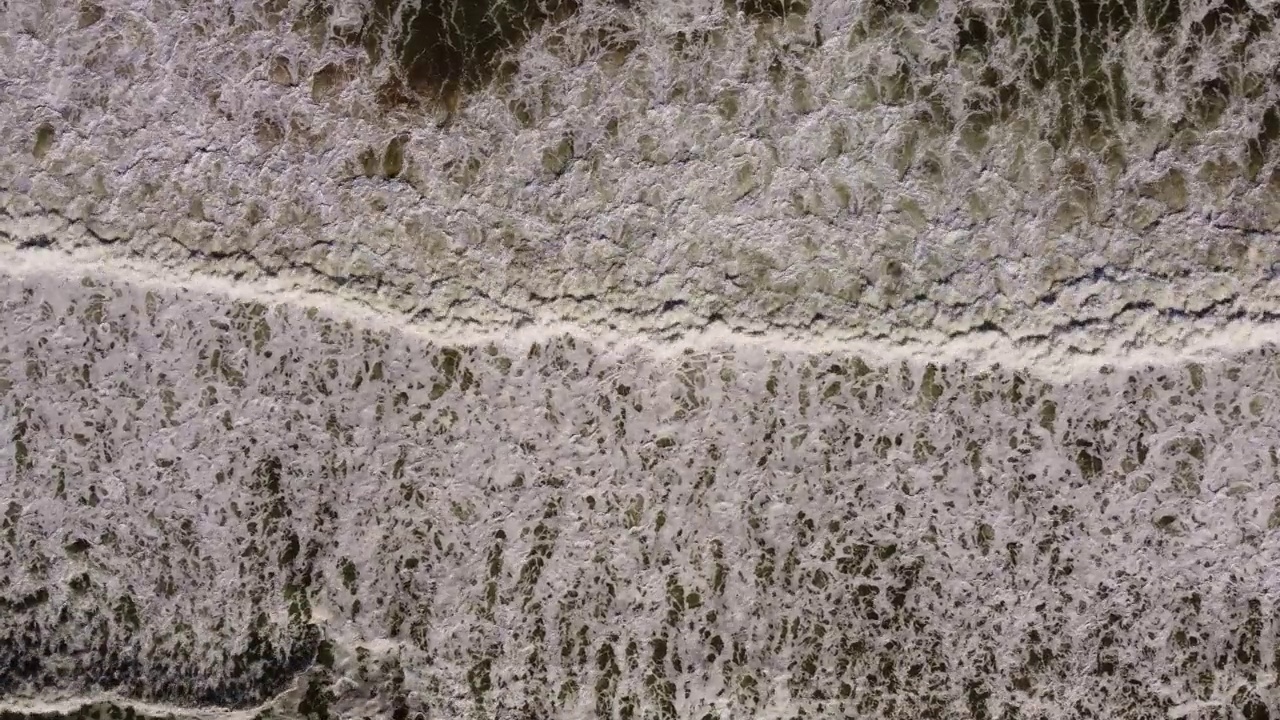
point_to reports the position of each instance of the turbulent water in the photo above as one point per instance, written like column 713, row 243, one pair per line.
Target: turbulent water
column 639, row 359
column 215, row 502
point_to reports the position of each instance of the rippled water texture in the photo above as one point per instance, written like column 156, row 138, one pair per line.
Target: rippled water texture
column 812, row 436
column 213, row 500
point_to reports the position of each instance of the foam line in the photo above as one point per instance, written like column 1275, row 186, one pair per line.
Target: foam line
column 1164, row 342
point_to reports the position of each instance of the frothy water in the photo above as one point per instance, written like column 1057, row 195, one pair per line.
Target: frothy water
column 223, row 502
